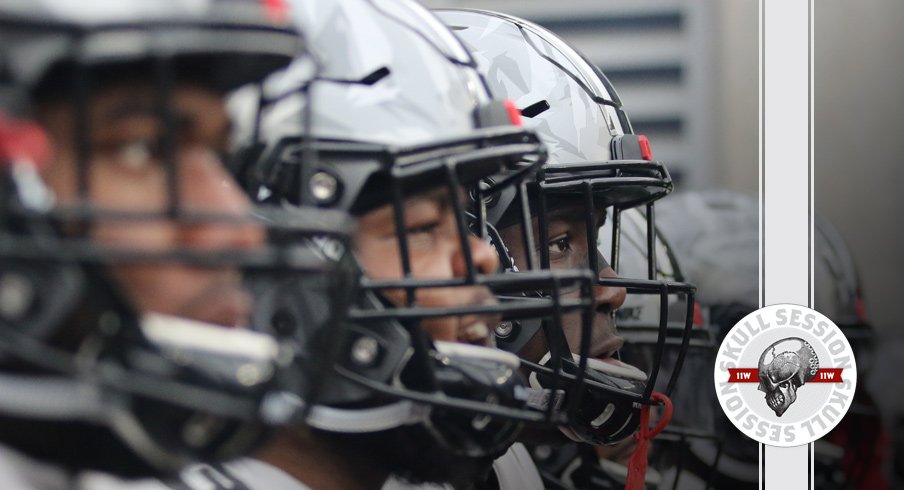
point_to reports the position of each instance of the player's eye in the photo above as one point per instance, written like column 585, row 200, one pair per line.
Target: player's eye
column 137, row 154
column 422, row 228
column 559, row 246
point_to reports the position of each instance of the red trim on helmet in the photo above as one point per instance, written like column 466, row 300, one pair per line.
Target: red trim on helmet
column 23, row 142
column 860, row 308
column 645, row 150
column 698, row 315
column 277, row 11
column 513, row 112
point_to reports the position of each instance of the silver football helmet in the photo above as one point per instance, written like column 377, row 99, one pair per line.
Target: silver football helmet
column 397, row 109
column 116, row 384
column 595, row 162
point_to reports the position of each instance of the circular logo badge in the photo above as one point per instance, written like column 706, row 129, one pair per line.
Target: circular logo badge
column 785, row 375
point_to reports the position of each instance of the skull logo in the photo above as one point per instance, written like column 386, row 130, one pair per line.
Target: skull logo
column 784, row 367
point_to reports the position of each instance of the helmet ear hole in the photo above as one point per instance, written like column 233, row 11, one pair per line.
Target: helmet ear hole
column 485, row 184
column 325, row 187
column 284, row 323
column 18, row 296
column 507, row 330
column 36, row 299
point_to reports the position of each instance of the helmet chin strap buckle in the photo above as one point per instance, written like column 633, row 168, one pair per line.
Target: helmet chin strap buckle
column 637, row 466
column 540, row 398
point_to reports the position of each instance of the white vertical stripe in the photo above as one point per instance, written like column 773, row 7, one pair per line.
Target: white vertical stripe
column 760, row 48
column 785, row 188
column 786, row 153
column 812, row 207
column 786, row 468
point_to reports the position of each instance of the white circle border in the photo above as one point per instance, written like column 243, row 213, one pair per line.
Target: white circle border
column 720, row 376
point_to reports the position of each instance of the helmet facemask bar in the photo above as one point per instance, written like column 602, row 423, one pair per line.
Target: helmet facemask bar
column 667, row 334
column 647, row 180
column 502, row 283
column 473, row 147
column 576, row 112
column 563, row 375
column 447, row 165
column 146, row 370
column 516, row 408
column 676, row 454
column 589, row 191
column 691, row 446
column 550, row 398
column 577, row 386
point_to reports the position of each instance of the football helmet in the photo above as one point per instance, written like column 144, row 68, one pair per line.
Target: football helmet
column 714, row 236
column 87, row 369
column 396, row 109
column 838, row 293
column 596, row 161
column 574, row 466
column 638, row 318
column 853, row 454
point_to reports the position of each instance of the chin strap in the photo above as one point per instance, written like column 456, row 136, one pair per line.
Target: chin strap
column 637, row 466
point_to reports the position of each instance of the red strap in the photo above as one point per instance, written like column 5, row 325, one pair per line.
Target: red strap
column 637, row 466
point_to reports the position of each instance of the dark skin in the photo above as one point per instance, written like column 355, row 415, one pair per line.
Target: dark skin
column 435, row 252
column 568, row 249
column 364, row 462
column 309, row 459
column 127, row 173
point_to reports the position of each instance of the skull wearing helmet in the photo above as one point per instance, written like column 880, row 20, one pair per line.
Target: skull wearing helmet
column 784, row 367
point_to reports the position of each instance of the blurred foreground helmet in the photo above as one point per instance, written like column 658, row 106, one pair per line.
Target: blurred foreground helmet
column 396, row 110
column 595, row 161
column 98, row 347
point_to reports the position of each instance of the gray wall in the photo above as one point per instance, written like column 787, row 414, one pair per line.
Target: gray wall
column 859, row 141
column 736, row 104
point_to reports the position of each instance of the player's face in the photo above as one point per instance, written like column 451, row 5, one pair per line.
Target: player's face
column 435, row 252
column 569, row 248
column 127, row 174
